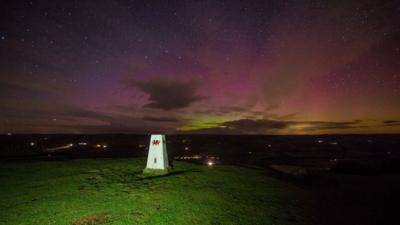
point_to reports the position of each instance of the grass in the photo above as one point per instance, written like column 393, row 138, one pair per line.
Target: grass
column 97, row 218
column 114, row 191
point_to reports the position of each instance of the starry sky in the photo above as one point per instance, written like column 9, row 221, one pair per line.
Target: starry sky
column 212, row 67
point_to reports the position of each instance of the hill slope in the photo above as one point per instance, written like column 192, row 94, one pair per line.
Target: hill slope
column 113, row 191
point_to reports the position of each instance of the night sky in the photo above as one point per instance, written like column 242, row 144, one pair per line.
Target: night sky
column 217, row 67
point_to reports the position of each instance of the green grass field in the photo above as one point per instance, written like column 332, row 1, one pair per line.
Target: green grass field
column 114, row 191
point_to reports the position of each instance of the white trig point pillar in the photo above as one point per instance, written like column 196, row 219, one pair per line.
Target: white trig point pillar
column 157, row 159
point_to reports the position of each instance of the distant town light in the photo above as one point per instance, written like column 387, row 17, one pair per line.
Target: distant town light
column 269, row 146
column 98, row 146
column 70, row 145
column 210, row 163
column 32, row 144
column 9, row 134
column 320, row 141
column 104, row 146
column 82, row 143
column 196, row 157
column 333, row 143
column 187, row 148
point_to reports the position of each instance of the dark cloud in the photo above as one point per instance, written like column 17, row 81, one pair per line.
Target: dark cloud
column 167, row 94
column 327, row 125
column 215, row 130
column 262, row 126
column 11, row 87
column 391, row 123
column 220, row 111
column 161, row 119
column 256, row 125
column 45, row 117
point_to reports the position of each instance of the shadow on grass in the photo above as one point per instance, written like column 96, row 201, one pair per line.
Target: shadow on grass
column 101, row 178
column 174, row 173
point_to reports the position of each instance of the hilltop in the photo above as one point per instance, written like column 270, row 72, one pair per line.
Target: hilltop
column 113, row 191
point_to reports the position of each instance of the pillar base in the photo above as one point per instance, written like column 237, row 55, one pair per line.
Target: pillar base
column 156, row 172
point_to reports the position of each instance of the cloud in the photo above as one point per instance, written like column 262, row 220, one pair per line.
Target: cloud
column 269, row 125
column 167, row 94
column 161, row 119
column 256, row 125
column 221, row 110
column 328, row 125
column 11, row 87
column 272, row 126
column 25, row 116
column 391, row 123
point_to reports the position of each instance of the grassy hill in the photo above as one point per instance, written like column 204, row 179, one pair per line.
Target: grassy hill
column 113, row 191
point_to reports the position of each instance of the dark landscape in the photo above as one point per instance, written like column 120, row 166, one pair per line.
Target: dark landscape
column 369, row 154
column 348, row 179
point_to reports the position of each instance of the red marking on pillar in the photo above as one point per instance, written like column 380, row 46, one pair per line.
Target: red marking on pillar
column 156, row 142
